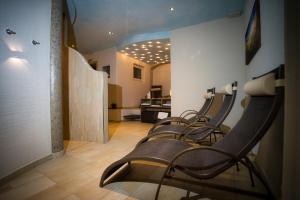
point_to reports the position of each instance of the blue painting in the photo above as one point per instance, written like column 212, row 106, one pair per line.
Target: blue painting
column 253, row 33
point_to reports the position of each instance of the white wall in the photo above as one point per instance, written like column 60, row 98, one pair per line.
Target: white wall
column 206, row 55
column 271, row 53
column 132, row 89
column 24, row 83
column 104, row 58
column 121, row 73
column 161, row 75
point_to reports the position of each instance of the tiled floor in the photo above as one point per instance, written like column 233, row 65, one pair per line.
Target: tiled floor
column 76, row 175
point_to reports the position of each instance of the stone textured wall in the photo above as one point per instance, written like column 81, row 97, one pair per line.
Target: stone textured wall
column 56, row 100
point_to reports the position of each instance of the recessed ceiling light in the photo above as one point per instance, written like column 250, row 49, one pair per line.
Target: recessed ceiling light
column 134, row 45
column 150, row 45
column 157, row 54
column 146, row 49
column 110, row 33
column 122, row 50
column 157, row 42
column 148, row 52
column 166, row 48
column 157, row 57
column 149, row 42
column 143, row 46
column 136, row 49
column 150, row 59
column 142, row 54
column 133, row 52
column 160, row 51
column 166, row 56
column 127, row 48
column 169, row 44
column 172, row 9
column 158, row 46
column 142, row 57
column 150, row 55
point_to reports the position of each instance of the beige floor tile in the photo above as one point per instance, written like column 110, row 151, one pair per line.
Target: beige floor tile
column 25, row 178
column 28, row 190
column 72, row 197
column 76, row 175
column 53, row 193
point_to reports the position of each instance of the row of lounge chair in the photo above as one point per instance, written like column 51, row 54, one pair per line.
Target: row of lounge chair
column 186, row 127
column 181, row 162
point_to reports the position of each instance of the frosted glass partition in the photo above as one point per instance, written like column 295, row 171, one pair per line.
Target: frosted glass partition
column 87, row 100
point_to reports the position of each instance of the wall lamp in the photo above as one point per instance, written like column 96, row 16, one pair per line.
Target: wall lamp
column 35, row 42
column 10, row 32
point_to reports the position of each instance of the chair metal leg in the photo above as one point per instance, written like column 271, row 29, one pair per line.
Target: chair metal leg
column 223, row 134
column 237, row 167
column 251, row 177
column 188, row 193
column 259, row 176
column 165, row 174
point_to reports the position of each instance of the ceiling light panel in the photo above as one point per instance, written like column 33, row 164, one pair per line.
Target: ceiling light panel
column 147, row 50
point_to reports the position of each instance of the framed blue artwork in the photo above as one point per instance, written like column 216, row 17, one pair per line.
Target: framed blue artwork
column 253, row 33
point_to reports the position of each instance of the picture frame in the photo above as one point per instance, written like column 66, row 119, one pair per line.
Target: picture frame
column 137, row 72
column 253, row 33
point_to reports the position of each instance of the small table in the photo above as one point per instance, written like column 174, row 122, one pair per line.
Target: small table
column 149, row 113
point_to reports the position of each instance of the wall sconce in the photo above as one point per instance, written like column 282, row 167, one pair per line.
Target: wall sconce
column 10, row 32
column 35, row 42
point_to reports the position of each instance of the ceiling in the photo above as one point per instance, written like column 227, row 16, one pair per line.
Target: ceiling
column 153, row 52
column 102, row 24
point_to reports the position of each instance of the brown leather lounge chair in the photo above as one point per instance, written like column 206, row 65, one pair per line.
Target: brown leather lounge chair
column 198, row 134
column 179, row 164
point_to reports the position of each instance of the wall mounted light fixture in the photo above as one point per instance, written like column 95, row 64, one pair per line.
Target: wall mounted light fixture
column 10, row 32
column 35, row 42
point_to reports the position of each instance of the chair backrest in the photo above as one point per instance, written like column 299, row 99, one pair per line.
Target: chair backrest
column 266, row 98
column 209, row 98
column 208, row 102
column 259, row 115
column 229, row 99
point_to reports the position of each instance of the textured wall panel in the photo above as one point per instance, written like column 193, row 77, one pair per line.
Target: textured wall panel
column 56, row 77
column 87, row 100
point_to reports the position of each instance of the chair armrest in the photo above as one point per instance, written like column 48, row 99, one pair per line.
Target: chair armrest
column 186, row 111
column 189, row 113
column 168, row 119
